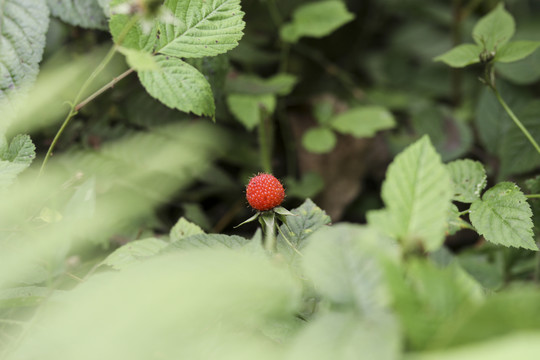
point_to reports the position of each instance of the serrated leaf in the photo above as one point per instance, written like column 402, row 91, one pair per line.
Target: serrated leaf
column 134, row 252
column 249, row 109
column 184, row 229
column 217, row 241
column 461, row 55
column 417, row 193
column 316, row 20
column 84, row 13
column 363, row 121
column 308, row 218
column 503, row 216
column 345, row 335
column 202, row 28
column 139, row 60
column 280, row 84
column 179, row 85
column 495, row 29
column 23, row 24
column 468, row 178
column 319, row 140
column 15, row 158
column 515, row 50
column 343, row 262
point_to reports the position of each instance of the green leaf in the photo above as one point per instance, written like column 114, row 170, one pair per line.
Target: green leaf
column 23, row 24
column 179, row 85
column 363, row 121
column 343, row 262
column 184, row 229
column 202, row 28
column 82, row 204
column 495, row 29
column 134, row 252
column 15, row 158
column 468, row 179
column 139, row 60
column 516, row 50
column 308, row 218
column 84, row 13
column 461, row 55
column 280, row 84
column 319, row 140
column 316, row 20
column 138, row 36
column 345, row 335
column 249, row 109
column 218, row 241
column 24, row 296
column 503, row 217
column 417, row 194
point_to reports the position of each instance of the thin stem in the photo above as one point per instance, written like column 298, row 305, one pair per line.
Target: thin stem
column 533, row 196
column 516, row 120
column 74, row 108
column 106, row 87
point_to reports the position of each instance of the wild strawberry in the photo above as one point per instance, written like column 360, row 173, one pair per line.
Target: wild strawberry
column 264, row 192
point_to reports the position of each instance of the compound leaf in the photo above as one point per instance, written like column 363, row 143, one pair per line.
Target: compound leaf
column 516, row 50
column 503, row 217
column 179, row 85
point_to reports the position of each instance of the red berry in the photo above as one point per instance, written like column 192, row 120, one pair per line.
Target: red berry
column 264, row 192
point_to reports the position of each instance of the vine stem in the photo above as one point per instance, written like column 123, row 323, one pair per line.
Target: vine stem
column 75, row 108
column 516, row 119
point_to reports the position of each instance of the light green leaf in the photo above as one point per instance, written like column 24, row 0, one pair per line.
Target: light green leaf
column 461, row 55
column 249, row 109
column 345, row 335
column 24, row 296
column 15, row 158
column 134, row 252
column 316, row 20
column 363, row 121
column 495, row 29
column 217, row 241
column 23, row 24
column 319, row 140
column 469, row 179
column 515, row 50
column 82, row 203
column 201, row 28
column 280, row 84
column 503, row 217
column 184, row 229
column 179, row 85
column 343, row 262
column 84, row 13
column 417, row 193
column 139, row 60
column 138, row 35
column 307, row 218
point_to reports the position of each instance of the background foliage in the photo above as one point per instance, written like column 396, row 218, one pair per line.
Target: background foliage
column 413, row 193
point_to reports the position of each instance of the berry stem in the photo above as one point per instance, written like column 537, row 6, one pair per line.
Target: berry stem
column 268, row 222
column 265, row 134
